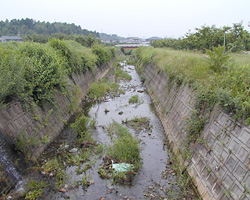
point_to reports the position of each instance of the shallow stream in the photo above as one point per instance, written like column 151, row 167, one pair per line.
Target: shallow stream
column 151, row 182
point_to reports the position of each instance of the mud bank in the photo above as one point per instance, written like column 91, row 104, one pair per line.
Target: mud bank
column 219, row 163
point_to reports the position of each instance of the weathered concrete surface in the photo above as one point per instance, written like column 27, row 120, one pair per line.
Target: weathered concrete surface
column 220, row 166
column 37, row 126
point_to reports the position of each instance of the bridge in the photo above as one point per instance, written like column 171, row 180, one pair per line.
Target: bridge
column 131, row 46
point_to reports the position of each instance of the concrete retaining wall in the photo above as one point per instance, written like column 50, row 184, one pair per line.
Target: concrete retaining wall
column 39, row 127
column 220, row 165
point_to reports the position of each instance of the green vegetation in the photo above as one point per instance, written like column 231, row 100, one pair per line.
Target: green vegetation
column 236, row 39
column 215, row 79
column 181, row 179
column 218, row 78
column 85, row 147
column 139, row 124
column 35, row 190
column 134, row 99
column 104, row 54
column 36, row 72
column 29, row 26
column 218, row 59
column 120, row 74
column 78, row 59
column 26, row 143
column 125, row 147
column 124, row 153
column 102, row 88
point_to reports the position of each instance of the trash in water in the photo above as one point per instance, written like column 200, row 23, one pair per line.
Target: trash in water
column 122, row 167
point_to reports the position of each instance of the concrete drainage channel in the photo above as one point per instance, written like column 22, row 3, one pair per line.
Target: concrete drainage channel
column 155, row 178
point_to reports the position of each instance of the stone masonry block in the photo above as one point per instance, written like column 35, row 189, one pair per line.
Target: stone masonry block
column 242, row 153
column 240, row 171
column 211, row 179
column 18, row 108
column 234, row 145
column 6, row 115
column 228, row 181
column 17, row 124
column 226, row 197
column 217, row 190
column 209, row 140
column 214, row 128
column 203, row 151
column 217, row 148
column 207, row 195
column 247, row 180
column 22, row 121
column 229, row 123
column 201, row 187
column 237, row 130
column 237, row 190
column 12, row 128
column 214, row 163
column 231, row 163
column 226, row 138
column 12, row 110
column 201, row 165
column 224, row 155
column 195, row 158
column 221, row 172
column 245, row 136
column 222, row 119
column 245, row 197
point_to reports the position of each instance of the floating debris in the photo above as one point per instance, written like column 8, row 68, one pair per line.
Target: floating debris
column 74, row 150
column 122, row 167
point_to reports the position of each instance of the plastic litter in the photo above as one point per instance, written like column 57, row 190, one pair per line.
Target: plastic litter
column 122, row 167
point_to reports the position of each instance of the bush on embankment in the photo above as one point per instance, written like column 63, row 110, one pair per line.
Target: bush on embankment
column 229, row 87
column 35, row 72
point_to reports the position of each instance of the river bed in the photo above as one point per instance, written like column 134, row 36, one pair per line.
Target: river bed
column 155, row 179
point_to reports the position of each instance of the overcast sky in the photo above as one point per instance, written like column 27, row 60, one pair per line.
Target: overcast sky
column 139, row 18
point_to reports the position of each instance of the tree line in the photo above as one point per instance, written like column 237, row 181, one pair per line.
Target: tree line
column 24, row 27
column 234, row 38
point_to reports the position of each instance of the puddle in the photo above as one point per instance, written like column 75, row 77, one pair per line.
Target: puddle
column 149, row 183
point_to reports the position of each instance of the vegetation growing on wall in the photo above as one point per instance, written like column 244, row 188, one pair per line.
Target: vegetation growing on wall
column 214, row 78
column 33, row 71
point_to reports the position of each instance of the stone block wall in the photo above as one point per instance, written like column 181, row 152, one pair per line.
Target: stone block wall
column 43, row 124
column 220, row 165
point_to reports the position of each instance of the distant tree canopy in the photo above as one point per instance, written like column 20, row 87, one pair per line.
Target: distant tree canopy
column 28, row 26
column 206, row 37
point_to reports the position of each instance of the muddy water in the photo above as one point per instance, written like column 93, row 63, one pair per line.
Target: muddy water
column 148, row 183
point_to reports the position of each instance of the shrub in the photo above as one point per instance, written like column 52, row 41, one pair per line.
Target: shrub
column 12, row 73
column 218, row 59
column 44, row 71
column 104, row 54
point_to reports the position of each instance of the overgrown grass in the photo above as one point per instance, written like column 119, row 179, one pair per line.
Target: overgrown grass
column 35, row 190
column 102, row 88
column 125, row 147
column 139, row 123
column 120, row 74
column 86, row 148
column 36, row 72
column 229, row 88
column 134, row 99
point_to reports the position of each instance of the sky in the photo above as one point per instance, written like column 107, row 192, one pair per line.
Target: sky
column 133, row 18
